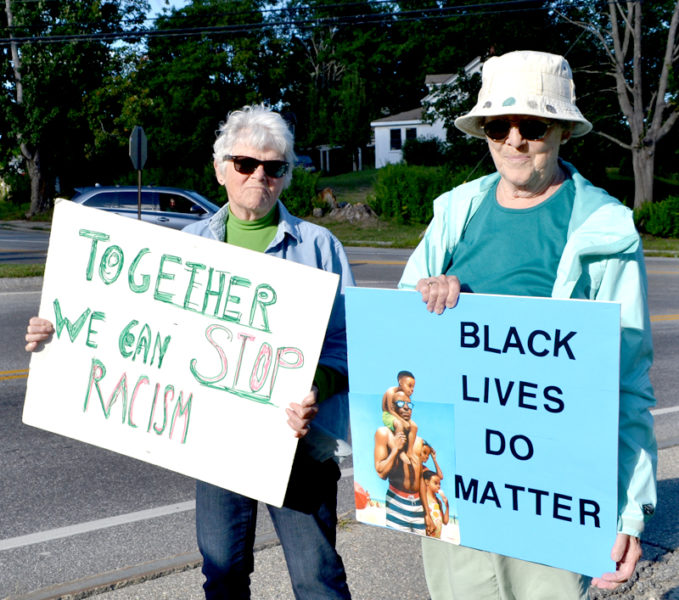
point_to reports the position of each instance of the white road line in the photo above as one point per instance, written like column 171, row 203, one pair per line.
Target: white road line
column 347, row 472
column 665, row 411
column 63, row 532
column 142, row 515
column 15, row 293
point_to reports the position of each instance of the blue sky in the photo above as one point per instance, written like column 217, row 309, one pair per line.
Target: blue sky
column 158, row 5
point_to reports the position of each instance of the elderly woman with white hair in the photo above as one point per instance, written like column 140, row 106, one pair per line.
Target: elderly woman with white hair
column 253, row 155
column 537, row 227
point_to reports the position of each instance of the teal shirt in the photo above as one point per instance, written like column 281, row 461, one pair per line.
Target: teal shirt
column 602, row 260
column 514, row 251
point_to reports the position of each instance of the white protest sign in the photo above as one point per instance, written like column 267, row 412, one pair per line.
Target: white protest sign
column 175, row 349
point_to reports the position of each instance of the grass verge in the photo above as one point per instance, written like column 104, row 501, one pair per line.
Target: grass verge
column 17, row 212
column 379, row 234
column 661, row 246
column 29, row 270
column 350, row 187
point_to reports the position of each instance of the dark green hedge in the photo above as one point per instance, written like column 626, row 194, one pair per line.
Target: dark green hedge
column 406, row 193
column 299, row 196
column 660, row 219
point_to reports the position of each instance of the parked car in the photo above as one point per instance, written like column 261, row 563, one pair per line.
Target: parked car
column 166, row 206
column 305, row 162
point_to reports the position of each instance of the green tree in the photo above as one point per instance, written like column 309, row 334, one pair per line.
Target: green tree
column 483, row 29
column 55, row 53
column 625, row 81
column 638, row 46
column 329, row 74
column 185, row 85
column 354, row 69
column 112, row 110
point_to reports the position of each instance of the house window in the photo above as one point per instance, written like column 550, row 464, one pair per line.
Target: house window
column 395, row 137
column 411, row 133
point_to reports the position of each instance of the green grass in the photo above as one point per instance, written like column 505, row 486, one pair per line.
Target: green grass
column 17, row 212
column 358, row 187
column 13, row 212
column 661, row 246
column 383, row 233
column 393, row 235
column 29, row 270
column 350, row 187
column 613, row 173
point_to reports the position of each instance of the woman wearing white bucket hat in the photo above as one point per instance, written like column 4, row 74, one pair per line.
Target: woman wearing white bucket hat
column 553, row 234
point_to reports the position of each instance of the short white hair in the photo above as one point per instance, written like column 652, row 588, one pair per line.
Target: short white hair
column 258, row 126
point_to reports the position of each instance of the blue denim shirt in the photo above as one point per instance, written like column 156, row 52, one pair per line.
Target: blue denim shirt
column 308, row 244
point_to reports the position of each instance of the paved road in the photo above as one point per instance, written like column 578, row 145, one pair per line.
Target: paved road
column 57, row 527
column 23, row 244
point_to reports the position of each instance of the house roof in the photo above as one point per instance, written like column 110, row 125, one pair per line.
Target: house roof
column 409, row 115
column 438, row 78
column 432, row 81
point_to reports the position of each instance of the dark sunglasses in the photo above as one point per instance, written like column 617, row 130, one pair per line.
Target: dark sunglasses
column 402, row 403
column 248, row 165
column 530, row 129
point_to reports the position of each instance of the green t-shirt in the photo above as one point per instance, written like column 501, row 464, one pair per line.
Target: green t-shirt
column 514, row 251
column 257, row 235
column 253, row 235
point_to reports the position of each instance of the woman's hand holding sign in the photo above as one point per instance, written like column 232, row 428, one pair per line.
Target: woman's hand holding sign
column 442, row 292
column 300, row 414
column 439, row 292
column 626, row 554
column 39, row 330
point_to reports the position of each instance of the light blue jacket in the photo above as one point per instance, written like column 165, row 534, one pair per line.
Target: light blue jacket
column 602, row 260
column 308, row 244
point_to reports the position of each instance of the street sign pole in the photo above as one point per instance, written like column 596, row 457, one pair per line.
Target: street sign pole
column 139, row 194
column 138, row 146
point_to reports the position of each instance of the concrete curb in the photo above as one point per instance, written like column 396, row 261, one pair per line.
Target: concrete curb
column 114, row 580
column 20, row 284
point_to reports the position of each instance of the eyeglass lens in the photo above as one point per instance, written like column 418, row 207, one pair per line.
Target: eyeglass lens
column 530, row 129
column 248, row 165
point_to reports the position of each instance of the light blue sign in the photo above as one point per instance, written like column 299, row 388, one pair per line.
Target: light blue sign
column 517, row 396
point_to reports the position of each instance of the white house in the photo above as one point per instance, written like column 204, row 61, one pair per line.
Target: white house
column 391, row 132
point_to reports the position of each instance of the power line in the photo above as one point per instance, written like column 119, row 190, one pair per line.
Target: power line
column 329, row 7
column 381, row 18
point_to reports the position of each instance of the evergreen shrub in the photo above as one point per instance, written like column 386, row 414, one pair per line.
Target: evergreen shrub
column 660, row 219
column 406, row 193
column 18, row 188
column 425, row 152
column 299, row 196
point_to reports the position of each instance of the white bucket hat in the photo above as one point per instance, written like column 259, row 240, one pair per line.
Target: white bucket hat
column 525, row 83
